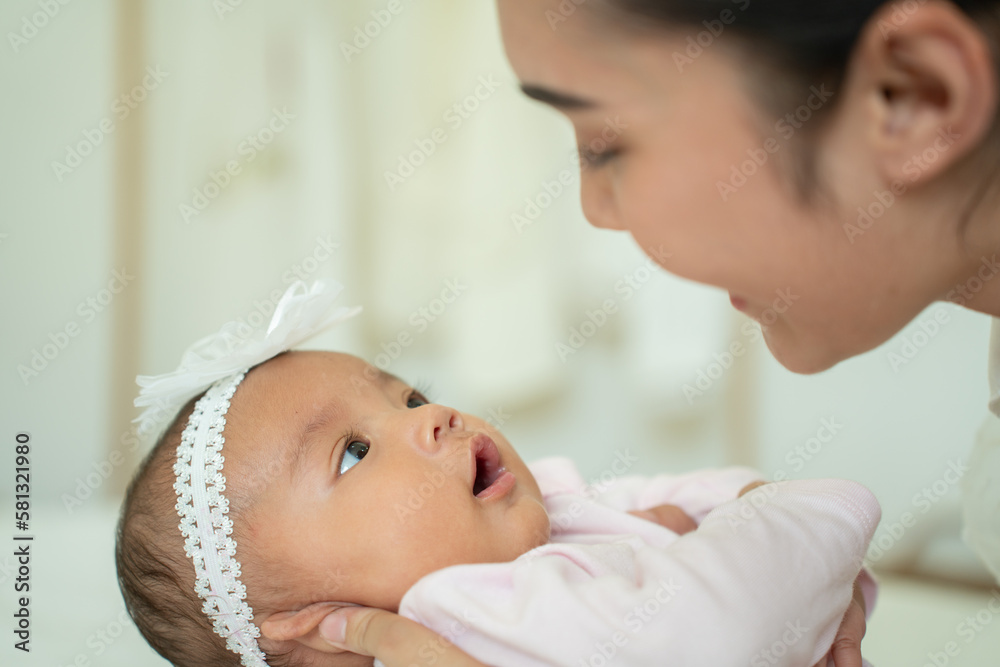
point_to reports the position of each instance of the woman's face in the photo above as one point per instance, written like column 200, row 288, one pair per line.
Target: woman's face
column 685, row 161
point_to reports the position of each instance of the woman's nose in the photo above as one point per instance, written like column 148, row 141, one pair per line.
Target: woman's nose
column 438, row 422
column 597, row 200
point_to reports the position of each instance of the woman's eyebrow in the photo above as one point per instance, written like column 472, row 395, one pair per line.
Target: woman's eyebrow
column 559, row 100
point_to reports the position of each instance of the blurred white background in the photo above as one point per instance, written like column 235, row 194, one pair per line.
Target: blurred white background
column 123, row 238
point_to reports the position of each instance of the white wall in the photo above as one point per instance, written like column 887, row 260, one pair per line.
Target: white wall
column 909, row 410
column 56, row 248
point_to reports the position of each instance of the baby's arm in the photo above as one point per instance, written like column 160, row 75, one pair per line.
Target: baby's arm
column 696, row 493
column 763, row 581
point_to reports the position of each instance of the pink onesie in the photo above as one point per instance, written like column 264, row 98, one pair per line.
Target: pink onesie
column 763, row 581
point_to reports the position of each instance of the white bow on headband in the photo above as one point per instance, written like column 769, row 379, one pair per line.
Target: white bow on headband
column 300, row 314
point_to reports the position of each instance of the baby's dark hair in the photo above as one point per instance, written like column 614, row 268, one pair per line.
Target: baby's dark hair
column 157, row 578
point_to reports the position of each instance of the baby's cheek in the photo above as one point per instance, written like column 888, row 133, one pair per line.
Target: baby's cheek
column 536, row 529
column 544, row 532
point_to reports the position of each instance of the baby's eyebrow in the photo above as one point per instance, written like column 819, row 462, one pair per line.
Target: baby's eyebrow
column 383, row 378
column 317, row 424
column 330, row 413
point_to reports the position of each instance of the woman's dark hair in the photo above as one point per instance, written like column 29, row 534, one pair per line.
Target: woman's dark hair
column 815, row 30
column 817, row 35
column 795, row 44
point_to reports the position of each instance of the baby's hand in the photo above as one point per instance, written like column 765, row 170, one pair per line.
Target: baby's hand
column 669, row 516
column 674, row 518
column 750, row 487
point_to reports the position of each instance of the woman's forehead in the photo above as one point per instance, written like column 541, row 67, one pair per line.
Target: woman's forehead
column 537, row 50
column 584, row 58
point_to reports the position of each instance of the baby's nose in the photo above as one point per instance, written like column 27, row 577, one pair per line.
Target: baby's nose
column 442, row 422
column 454, row 424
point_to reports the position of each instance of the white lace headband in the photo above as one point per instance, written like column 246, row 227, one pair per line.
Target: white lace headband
column 207, row 529
column 219, row 363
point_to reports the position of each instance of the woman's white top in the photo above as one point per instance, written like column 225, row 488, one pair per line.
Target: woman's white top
column 981, row 485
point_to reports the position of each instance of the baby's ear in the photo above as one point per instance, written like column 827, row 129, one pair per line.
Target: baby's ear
column 302, row 626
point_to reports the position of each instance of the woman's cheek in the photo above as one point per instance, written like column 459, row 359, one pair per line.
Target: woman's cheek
column 669, row 224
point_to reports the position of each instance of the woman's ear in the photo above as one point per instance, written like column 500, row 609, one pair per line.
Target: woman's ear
column 927, row 83
column 302, row 626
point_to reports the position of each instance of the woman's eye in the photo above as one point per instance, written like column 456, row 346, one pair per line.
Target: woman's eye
column 597, row 159
column 415, row 400
column 353, row 453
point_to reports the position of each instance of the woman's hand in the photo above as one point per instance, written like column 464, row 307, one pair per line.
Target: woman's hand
column 332, row 627
column 668, row 516
column 846, row 649
column 391, row 638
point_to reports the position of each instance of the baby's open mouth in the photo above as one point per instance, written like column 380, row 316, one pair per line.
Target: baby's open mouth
column 488, row 469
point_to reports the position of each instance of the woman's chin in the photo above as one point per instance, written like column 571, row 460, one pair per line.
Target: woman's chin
column 801, row 355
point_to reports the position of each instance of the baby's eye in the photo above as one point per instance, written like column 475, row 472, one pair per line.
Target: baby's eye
column 353, row 453
column 416, row 399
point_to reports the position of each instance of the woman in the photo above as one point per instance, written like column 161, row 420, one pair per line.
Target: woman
column 832, row 165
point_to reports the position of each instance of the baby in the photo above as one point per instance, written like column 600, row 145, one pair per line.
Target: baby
column 346, row 485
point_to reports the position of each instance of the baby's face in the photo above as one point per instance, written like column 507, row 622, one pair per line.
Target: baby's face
column 366, row 486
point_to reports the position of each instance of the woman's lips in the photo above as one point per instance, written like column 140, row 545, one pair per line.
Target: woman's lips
column 489, row 478
column 739, row 303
